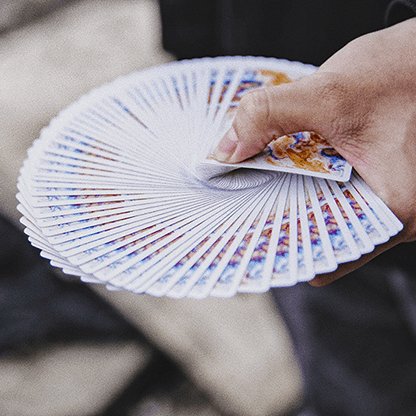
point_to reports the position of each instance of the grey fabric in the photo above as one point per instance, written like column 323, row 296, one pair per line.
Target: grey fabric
column 14, row 13
column 356, row 342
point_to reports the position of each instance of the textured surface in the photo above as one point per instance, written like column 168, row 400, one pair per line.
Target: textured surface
column 71, row 380
column 17, row 12
column 236, row 350
column 46, row 65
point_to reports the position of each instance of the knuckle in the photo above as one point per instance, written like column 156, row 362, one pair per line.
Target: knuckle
column 254, row 117
column 333, row 89
column 255, row 105
column 251, row 121
column 343, row 121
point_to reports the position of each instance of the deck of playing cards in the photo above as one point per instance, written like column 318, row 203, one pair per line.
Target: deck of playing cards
column 121, row 189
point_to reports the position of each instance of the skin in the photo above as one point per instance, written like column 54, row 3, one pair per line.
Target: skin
column 363, row 101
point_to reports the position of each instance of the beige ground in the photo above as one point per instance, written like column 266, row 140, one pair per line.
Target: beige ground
column 66, row 380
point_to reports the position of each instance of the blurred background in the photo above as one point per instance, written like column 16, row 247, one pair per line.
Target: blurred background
column 68, row 349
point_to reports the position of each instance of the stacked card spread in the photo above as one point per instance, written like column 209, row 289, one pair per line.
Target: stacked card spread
column 121, row 189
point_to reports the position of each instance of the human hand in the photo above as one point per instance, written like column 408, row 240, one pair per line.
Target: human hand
column 363, row 101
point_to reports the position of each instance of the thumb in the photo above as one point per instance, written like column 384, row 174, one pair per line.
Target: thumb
column 267, row 113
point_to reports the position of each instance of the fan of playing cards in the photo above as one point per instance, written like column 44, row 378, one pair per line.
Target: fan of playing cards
column 121, row 189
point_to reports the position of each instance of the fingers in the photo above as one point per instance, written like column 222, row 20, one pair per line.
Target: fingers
column 261, row 115
column 273, row 112
column 324, row 103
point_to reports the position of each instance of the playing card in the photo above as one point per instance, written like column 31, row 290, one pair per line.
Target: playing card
column 220, row 238
column 302, row 153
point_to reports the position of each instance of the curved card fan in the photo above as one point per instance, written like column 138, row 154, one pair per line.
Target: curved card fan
column 120, row 189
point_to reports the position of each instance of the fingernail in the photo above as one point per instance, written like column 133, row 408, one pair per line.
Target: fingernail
column 226, row 147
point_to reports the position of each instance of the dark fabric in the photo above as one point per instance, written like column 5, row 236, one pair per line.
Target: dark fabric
column 309, row 31
column 400, row 10
column 356, row 342
column 37, row 307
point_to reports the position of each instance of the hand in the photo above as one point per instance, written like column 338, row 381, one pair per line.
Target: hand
column 363, row 101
